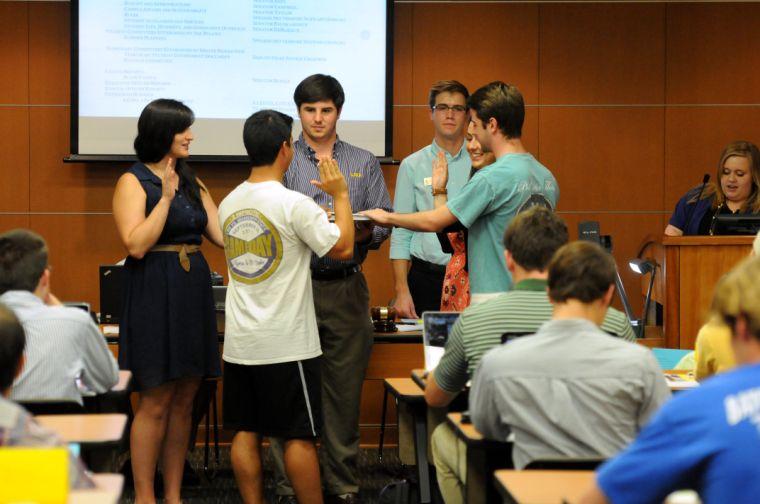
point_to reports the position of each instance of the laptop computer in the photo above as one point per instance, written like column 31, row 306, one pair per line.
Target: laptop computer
column 436, row 327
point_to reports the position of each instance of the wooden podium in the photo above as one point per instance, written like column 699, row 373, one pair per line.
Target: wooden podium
column 693, row 265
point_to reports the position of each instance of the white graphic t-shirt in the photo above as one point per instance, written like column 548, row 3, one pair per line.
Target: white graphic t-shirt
column 269, row 235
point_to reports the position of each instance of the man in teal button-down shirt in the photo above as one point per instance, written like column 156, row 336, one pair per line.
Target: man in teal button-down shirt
column 419, row 264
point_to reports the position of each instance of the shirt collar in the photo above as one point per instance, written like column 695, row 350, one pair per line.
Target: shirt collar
column 19, row 298
column 531, row 284
column 437, row 148
column 303, row 144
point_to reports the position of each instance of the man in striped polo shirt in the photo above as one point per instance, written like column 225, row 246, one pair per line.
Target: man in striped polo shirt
column 341, row 296
column 530, row 241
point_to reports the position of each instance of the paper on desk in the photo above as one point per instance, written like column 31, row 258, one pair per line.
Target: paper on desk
column 408, row 327
column 110, row 330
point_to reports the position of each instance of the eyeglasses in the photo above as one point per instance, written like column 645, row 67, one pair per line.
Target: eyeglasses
column 444, row 107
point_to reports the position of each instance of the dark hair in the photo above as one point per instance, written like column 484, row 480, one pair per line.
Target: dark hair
column 263, row 135
column 12, row 343
column 23, row 259
column 446, row 86
column 580, row 270
column 159, row 121
column 319, row 87
column 534, row 236
column 503, row 102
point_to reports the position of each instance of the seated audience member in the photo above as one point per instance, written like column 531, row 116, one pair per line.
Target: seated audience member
column 17, row 427
column 492, row 197
column 709, row 438
column 64, row 345
column 735, row 191
column 272, row 354
column 530, row 241
column 569, row 391
column 712, row 350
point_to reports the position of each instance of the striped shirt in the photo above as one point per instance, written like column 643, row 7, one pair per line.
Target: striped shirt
column 366, row 190
column 63, row 347
column 479, row 329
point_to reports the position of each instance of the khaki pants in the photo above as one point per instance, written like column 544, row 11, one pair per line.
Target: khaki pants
column 346, row 335
column 450, row 459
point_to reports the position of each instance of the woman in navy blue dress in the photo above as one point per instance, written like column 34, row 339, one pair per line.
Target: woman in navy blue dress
column 167, row 335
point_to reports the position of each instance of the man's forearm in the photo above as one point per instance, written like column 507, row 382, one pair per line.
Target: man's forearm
column 431, row 221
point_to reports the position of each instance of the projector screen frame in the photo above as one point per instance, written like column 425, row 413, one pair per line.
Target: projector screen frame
column 76, row 157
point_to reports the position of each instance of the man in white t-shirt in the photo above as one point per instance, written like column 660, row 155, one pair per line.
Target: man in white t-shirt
column 271, row 348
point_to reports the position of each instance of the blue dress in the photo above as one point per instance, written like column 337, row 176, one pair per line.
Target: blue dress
column 168, row 324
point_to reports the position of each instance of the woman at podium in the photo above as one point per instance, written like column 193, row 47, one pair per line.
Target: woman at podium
column 737, row 191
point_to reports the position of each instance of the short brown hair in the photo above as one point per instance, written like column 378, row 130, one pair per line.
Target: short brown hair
column 23, row 259
column 447, row 86
column 503, row 102
column 580, row 270
column 534, row 236
column 738, row 294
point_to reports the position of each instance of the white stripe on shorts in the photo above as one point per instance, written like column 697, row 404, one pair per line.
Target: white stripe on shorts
column 306, row 396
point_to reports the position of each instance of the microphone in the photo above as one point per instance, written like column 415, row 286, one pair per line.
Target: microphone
column 705, row 180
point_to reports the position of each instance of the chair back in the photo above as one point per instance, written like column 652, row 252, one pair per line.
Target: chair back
column 568, row 464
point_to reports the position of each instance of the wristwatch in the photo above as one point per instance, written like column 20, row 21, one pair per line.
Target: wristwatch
column 436, row 192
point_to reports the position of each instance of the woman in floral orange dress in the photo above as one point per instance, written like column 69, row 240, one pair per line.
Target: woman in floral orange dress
column 456, row 283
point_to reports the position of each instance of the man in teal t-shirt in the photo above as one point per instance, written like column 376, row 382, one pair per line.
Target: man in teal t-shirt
column 489, row 200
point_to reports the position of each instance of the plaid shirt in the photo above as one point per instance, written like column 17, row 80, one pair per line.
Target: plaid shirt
column 366, row 190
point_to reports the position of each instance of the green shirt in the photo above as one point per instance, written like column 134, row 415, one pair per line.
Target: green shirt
column 486, row 205
column 480, row 327
column 414, row 194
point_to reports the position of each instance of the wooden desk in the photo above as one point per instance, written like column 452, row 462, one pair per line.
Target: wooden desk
column 693, row 265
column 108, row 490
column 419, row 376
column 484, row 456
column 542, row 487
column 94, row 430
column 410, row 404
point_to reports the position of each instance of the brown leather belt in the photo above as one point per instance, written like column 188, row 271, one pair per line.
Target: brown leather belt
column 182, row 250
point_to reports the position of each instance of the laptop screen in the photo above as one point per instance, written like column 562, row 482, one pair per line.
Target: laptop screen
column 436, row 327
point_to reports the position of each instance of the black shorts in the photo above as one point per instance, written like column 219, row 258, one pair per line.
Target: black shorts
column 274, row 400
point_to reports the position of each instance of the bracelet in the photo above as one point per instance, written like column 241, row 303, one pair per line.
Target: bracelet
column 437, row 192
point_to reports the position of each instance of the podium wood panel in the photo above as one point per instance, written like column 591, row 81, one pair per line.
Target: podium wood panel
column 693, row 265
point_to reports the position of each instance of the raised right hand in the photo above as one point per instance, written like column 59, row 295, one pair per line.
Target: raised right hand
column 170, row 181
column 440, row 172
column 404, row 306
column 331, row 180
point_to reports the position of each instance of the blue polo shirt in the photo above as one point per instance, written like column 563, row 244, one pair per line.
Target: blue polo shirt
column 707, row 439
column 486, row 205
column 414, row 194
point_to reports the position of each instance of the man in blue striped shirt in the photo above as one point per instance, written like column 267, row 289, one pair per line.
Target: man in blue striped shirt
column 418, row 287
column 341, row 296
